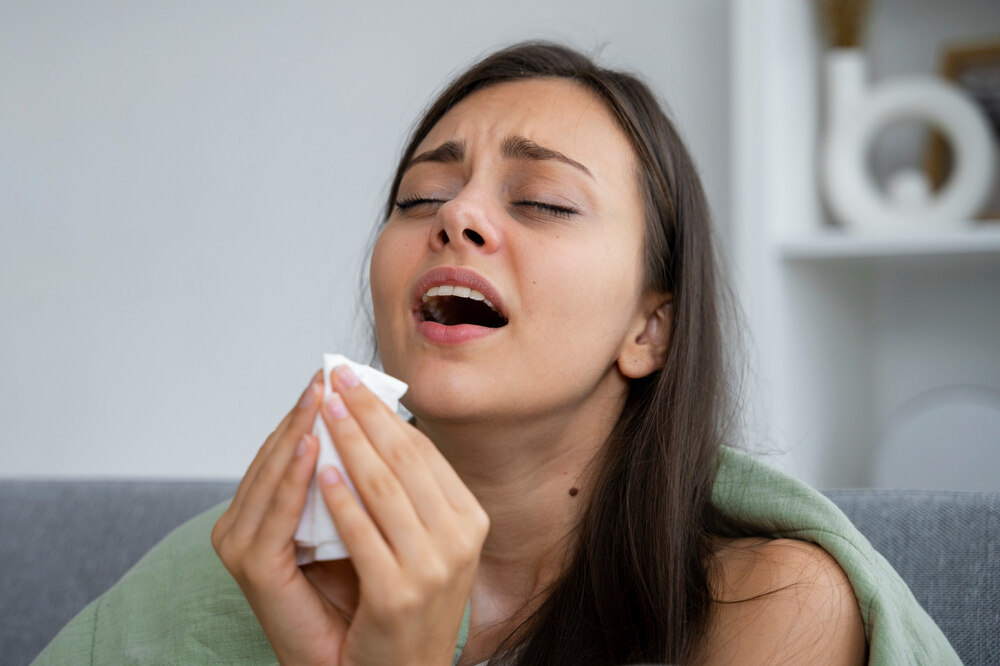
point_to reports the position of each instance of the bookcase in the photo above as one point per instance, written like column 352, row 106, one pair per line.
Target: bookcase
column 853, row 334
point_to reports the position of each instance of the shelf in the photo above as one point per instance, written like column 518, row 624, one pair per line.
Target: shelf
column 850, row 326
column 837, row 243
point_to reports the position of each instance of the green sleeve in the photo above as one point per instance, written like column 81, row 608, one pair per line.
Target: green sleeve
column 177, row 605
column 773, row 504
column 463, row 632
column 74, row 644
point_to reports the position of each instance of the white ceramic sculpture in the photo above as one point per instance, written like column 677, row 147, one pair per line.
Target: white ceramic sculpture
column 857, row 113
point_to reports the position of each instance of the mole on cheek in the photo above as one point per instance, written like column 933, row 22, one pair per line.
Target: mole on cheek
column 573, row 492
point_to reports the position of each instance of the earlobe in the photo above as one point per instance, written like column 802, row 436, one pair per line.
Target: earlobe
column 646, row 351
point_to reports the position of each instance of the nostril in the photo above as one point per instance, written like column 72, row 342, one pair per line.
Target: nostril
column 443, row 236
column 474, row 237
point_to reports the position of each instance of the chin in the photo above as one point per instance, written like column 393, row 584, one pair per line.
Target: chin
column 437, row 394
column 436, row 411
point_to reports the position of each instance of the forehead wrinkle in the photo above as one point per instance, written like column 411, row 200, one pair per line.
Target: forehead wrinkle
column 589, row 107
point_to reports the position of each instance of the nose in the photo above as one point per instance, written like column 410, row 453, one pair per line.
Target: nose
column 467, row 222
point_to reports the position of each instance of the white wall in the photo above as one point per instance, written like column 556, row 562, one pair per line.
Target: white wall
column 187, row 188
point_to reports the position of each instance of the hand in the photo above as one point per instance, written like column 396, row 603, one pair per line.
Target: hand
column 417, row 547
column 414, row 580
column 254, row 538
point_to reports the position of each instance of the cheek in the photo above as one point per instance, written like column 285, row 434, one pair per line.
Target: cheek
column 589, row 294
column 377, row 271
column 391, row 257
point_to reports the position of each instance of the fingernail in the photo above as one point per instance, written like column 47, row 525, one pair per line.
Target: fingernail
column 329, row 476
column 308, row 396
column 302, row 447
column 347, row 375
column 334, row 406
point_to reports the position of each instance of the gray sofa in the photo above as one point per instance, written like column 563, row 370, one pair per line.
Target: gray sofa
column 65, row 542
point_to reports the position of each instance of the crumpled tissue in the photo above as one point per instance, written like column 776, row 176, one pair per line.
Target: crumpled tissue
column 316, row 537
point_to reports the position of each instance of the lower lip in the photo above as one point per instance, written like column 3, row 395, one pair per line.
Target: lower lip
column 452, row 335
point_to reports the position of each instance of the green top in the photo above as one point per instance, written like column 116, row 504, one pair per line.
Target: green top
column 179, row 605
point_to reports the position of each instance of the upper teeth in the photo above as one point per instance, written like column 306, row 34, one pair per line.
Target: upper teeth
column 462, row 292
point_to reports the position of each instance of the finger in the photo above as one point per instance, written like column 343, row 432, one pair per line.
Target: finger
column 262, row 488
column 447, row 482
column 379, row 488
column 370, row 554
column 264, row 450
column 390, row 439
column 254, row 468
column 364, row 405
column 280, row 522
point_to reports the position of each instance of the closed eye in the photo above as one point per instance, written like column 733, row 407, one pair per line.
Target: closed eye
column 552, row 209
column 566, row 212
column 411, row 202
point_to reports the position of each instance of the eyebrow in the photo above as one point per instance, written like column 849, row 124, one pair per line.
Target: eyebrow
column 449, row 151
column 520, row 148
column 513, row 147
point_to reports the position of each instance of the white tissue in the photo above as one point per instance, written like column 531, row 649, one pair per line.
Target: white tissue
column 316, row 537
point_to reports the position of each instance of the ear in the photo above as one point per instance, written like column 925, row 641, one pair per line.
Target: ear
column 645, row 348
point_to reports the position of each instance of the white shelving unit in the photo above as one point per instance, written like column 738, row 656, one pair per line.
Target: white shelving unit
column 837, row 244
column 851, row 330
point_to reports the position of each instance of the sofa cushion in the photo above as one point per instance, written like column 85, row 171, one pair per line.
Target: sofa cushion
column 946, row 546
column 66, row 541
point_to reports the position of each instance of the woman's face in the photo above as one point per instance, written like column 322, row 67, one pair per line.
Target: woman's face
column 525, row 192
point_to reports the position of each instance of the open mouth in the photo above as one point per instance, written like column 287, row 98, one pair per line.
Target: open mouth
column 453, row 306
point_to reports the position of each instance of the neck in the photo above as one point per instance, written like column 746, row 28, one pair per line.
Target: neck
column 534, row 478
column 530, row 478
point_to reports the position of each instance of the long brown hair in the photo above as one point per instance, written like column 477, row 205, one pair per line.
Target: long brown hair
column 636, row 589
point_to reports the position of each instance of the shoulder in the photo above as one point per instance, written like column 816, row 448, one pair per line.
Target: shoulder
column 777, row 600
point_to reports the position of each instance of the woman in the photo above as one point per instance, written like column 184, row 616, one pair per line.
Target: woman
column 552, row 500
column 559, row 469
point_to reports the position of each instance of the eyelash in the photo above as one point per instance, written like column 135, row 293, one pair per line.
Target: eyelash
column 559, row 211
column 409, row 202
